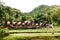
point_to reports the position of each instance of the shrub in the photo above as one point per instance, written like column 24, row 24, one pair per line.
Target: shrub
column 3, row 32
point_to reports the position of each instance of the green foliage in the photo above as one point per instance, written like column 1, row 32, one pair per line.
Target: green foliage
column 8, row 13
column 3, row 33
column 51, row 14
column 23, row 18
column 56, row 15
column 46, row 13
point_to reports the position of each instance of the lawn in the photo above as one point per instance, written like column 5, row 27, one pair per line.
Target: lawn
column 34, row 34
column 42, row 30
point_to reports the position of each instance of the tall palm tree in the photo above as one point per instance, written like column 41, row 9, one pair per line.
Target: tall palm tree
column 6, row 19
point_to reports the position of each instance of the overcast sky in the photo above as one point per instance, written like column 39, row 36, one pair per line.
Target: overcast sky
column 28, row 5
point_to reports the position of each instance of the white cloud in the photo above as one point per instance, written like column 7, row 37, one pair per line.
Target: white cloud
column 28, row 5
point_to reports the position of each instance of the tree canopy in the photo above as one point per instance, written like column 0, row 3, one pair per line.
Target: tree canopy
column 51, row 14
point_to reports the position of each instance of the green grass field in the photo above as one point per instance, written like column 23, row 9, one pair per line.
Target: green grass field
column 34, row 34
column 42, row 30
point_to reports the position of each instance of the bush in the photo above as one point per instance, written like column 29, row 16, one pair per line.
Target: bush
column 3, row 32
